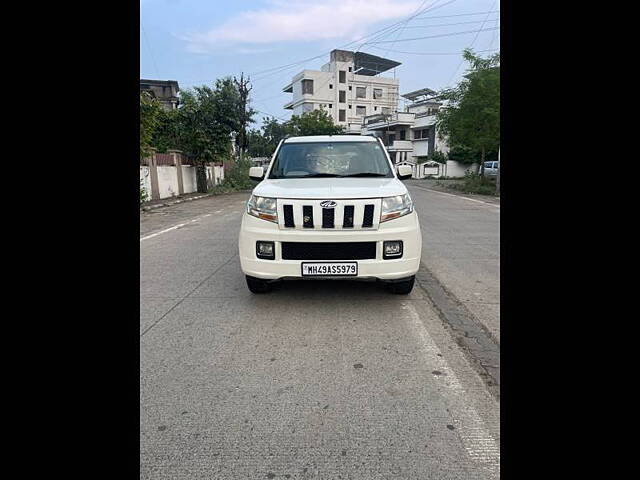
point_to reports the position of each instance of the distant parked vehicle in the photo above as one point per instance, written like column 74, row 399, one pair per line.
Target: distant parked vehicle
column 491, row 169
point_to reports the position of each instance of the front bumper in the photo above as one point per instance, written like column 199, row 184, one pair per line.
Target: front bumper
column 405, row 228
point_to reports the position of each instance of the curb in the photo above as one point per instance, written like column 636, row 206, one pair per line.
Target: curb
column 167, row 204
column 477, row 342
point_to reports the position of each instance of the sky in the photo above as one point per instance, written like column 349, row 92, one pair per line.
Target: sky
column 197, row 41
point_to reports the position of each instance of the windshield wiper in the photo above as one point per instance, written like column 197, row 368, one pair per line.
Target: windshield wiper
column 365, row 174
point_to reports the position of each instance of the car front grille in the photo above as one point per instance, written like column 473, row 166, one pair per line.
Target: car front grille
column 309, row 214
column 328, row 250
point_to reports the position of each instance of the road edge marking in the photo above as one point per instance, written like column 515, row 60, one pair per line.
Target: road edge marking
column 175, row 227
column 458, row 196
column 481, row 446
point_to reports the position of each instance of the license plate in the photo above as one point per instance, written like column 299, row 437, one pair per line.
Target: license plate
column 330, row 269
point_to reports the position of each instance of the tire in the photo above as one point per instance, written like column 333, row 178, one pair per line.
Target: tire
column 257, row 285
column 404, row 287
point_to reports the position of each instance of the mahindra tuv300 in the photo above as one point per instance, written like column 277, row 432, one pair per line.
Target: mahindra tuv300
column 330, row 207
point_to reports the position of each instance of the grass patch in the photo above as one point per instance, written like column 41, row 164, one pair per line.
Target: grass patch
column 473, row 183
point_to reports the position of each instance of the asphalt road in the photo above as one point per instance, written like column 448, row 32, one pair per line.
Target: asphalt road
column 461, row 246
column 316, row 379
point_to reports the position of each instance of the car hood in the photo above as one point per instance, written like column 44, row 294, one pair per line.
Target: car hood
column 330, row 188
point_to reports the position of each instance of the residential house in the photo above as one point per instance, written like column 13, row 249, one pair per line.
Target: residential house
column 349, row 88
column 410, row 136
column 166, row 91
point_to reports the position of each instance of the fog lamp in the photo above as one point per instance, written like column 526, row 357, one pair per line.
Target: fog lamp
column 392, row 249
column 265, row 250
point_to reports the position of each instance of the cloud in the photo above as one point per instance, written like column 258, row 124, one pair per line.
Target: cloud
column 299, row 21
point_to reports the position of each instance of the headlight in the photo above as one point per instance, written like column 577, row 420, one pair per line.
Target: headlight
column 263, row 207
column 394, row 207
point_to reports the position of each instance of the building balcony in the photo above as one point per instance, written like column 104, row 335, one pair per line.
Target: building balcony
column 403, row 145
column 424, row 121
column 381, row 121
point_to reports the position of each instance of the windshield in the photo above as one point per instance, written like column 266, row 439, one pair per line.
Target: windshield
column 331, row 159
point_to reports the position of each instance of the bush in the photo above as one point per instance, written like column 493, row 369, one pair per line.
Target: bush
column 143, row 193
column 236, row 179
column 474, row 183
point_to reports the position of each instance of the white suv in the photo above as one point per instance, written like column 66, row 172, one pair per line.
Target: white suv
column 330, row 207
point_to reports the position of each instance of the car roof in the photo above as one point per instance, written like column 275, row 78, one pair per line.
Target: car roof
column 331, row 138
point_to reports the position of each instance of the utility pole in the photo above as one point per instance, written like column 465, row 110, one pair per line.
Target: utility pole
column 244, row 87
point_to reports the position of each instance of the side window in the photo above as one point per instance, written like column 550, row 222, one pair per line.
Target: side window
column 307, row 86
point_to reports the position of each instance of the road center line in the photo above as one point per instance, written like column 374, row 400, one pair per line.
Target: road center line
column 459, row 196
column 173, row 228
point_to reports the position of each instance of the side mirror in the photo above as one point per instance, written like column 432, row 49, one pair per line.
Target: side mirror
column 256, row 173
column 404, row 172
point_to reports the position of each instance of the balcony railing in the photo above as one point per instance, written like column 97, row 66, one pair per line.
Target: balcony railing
column 406, row 118
column 399, row 145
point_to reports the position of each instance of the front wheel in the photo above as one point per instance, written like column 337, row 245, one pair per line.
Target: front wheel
column 404, row 287
column 257, row 285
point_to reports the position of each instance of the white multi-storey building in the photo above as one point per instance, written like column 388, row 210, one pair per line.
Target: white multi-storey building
column 348, row 88
column 410, row 136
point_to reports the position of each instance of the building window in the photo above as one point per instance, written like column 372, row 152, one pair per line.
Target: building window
column 349, row 87
column 361, row 110
column 349, row 68
column 418, row 134
column 403, row 134
column 331, row 105
column 307, row 86
column 330, row 86
column 375, row 108
column 342, row 114
column 349, row 106
column 361, row 92
column 342, row 96
column 386, row 110
column 342, row 76
column 377, row 93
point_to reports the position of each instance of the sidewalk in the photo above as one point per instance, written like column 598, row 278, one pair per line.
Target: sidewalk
column 187, row 197
column 165, row 202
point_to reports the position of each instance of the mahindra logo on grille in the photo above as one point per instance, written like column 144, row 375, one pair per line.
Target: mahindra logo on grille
column 328, row 204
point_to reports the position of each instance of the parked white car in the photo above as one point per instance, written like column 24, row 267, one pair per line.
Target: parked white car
column 330, row 207
column 491, row 169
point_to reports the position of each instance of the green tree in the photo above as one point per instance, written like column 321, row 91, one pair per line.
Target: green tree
column 471, row 117
column 274, row 131
column 257, row 144
column 315, row 122
column 150, row 112
column 205, row 121
column 167, row 132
